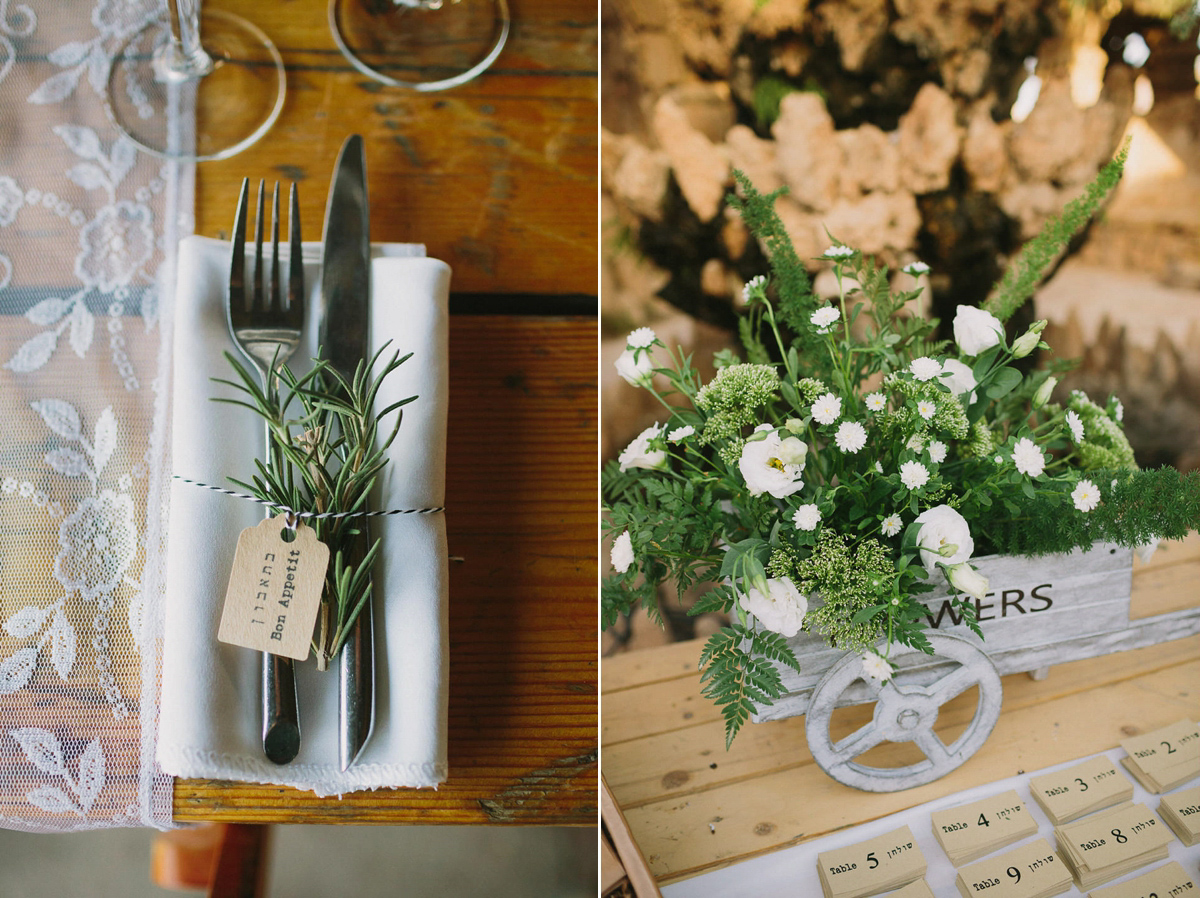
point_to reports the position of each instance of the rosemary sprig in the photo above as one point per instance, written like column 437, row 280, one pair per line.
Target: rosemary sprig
column 325, row 459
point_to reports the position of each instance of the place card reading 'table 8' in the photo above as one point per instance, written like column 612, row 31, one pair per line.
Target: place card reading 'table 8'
column 1028, row 871
column 868, row 868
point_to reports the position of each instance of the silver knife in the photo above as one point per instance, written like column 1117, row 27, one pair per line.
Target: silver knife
column 345, row 341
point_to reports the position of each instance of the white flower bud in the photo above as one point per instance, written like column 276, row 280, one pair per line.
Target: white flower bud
column 1042, row 396
column 966, row 579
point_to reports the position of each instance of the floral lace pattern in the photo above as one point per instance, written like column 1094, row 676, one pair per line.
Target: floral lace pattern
column 86, row 242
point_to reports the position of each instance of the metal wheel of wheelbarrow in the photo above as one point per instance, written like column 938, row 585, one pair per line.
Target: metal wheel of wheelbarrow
column 906, row 709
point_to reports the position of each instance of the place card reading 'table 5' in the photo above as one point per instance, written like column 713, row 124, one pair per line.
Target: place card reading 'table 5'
column 868, row 868
column 1071, row 793
column 1028, row 871
column 979, row 828
column 1168, row 881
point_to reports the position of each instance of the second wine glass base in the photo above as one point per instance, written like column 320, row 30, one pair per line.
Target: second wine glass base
column 233, row 105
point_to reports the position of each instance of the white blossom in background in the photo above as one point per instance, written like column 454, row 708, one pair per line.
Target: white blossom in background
column 915, row 443
column 1075, row 424
column 781, row 609
column 876, row 402
column 1086, row 496
column 824, row 318
column 622, row 552
column 837, row 251
column 937, row 452
column 642, row 338
column 851, row 436
column 807, row 517
column 960, row 379
column 681, row 433
column 914, row 475
column 976, row 330
column 1028, row 457
column 926, row 409
column 773, row 465
column 944, row 537
column 754, row 286
column 925, row 368
column 1119, row 411
column 878, row 468
column 640, row 454
column 915, row 269
column 827, row 409
column 891, row 525
column 877, row 667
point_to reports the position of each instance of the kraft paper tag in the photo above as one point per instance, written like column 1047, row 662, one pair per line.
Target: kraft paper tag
column 1081, row 789
column 1167, row 756
column 1168, row 881
column 868, row 868
column 976, row 829
column 1181, row 811
column 1032, row 869
column 274, row 589
column 918, row 889
column 1115, row 836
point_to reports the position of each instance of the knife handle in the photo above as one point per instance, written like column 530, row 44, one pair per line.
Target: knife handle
column 280, row 721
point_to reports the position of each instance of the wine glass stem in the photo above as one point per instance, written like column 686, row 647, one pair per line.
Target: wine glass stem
column 183, row 58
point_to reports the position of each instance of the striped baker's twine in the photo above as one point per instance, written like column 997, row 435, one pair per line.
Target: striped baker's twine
column 309, row 514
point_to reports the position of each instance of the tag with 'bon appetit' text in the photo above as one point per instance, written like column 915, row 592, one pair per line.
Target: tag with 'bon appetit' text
column 274, row 589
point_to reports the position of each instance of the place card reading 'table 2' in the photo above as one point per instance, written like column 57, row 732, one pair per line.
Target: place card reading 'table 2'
column 868, row 868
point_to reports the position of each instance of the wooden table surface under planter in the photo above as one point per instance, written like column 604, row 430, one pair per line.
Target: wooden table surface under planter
column 693, row 807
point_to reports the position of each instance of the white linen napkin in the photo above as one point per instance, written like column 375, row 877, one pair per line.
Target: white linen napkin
column 210, row 720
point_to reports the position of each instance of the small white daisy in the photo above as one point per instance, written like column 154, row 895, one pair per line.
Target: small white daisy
column 837, row 251
column 925, row 368
column 914, row 475
column 876, row 667
column 891, row 525
column 915, row 269
column 807, row 517
column 878, row 468
column 1075, row 423
column 851, row 436
column 926, row 409
column 681, row 433
column 824, row 318
column 642, row 338
column 827, row 409
column 937, row 452
column 1028, row 457
column 755, row 286
column 1085, row 495
column 876, row 402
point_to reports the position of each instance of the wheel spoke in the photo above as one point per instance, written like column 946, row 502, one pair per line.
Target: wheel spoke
column 932, row 747
column 953, row 684
column 861, row 740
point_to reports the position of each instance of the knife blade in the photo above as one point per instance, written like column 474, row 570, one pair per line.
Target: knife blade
column 345, row 341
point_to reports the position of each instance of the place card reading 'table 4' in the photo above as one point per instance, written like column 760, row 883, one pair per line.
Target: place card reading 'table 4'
column 1069, row 794
column 1028, row 871
column 1168, row 881
column 973, row 830
column 868, row 868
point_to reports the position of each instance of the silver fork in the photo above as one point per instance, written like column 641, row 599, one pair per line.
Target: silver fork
column 267, row 331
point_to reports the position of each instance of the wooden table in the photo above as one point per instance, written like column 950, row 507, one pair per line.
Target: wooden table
column 693, row 807
column 498, row 178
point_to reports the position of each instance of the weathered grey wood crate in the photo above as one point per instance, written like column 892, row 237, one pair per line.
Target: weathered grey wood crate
column 1037, row 613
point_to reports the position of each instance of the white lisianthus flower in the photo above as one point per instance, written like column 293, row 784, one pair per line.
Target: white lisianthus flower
column 838, row 251
column 960, row 379
column 976, row 330
column 925, row 368
column 926, row 409
column 755, row 286
column 1075, row 423
column 636, row 366
column 827, row 409
column 937, row 452
column 781, row 610
column 1085, row 495
column 823, row 318
column 640, row 454
column 807, row 517
column 622, row 552
column 773, row 465
column 916, row 269
column 876, row 402
column 944, row 537
column 1028, row 457
column 966, row 579
column 850, row 437
column 891, row 525
column 876, row 667
column 914, row 475
column 681, row 433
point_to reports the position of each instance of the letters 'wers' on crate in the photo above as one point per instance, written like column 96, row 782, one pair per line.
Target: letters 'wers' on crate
column 837, row 487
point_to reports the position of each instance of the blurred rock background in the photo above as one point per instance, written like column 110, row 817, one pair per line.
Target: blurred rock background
column 917, row 129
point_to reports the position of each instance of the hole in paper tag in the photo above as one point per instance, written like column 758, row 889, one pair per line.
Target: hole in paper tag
column 274, row 589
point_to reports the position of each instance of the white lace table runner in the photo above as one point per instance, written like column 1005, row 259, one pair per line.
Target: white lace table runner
column 88, row 228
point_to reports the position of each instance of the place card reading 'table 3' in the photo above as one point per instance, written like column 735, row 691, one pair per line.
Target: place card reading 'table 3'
column 1168, row 881
column 868, row 868
column 1028, row 871
column 1082, row 789
column 973, row 830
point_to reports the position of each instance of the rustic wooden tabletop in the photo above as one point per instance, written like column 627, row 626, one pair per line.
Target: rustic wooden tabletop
column 497, row 178
column 693, row 807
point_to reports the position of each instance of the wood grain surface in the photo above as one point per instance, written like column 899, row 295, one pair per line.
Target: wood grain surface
column 693, row 807
column 499, row 179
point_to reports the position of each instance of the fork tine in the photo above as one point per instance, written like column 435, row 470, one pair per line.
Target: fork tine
column 237, row 258
column 295, row 291
column 258, row 300
column 275, row 300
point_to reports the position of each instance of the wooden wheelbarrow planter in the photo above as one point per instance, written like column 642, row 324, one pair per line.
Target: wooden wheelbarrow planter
column 1039, row 612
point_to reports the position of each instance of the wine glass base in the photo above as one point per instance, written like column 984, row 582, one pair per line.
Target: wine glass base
column 235, row 104
column 430, row 46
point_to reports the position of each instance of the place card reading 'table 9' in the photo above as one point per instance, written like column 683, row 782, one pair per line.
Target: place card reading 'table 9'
column 1168, row 881
column 868, row 868
column 979, row 828
column 1028, row 871
column 1081, row 789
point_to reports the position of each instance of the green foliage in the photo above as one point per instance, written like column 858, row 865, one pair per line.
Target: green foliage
column 1035, row 259
column 739, row 673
